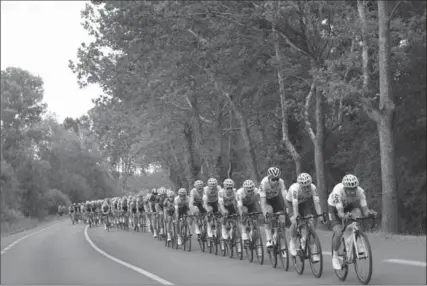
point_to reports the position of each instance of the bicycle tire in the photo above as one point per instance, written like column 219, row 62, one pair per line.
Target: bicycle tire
column 341, row 274
column 283, row 252
column 300, row 257
column 369, row 253
column 238, row 244
column 259, row 246
column 313, row 235
column 202, row 237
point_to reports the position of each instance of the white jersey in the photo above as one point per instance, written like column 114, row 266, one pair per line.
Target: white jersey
column 267, row 191
column 227, row 197
column 196, row 196
column 298, row 195
column 211, row 196
column 243, row 199
column 338, row 198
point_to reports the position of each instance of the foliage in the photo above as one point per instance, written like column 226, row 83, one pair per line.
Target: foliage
column 196, row 83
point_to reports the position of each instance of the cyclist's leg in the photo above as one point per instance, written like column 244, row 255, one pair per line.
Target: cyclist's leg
column 198, row 210
column 337, row 235
column 273, row 205
column 209, row 221
column 177, row 224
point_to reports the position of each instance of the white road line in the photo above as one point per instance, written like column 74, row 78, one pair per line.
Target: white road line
column 24, row 237
column 406, row 262
column 128, row 265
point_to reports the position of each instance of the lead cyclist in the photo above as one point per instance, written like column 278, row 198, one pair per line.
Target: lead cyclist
column 272, row 193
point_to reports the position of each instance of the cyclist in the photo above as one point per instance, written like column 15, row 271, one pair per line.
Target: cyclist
column 88, row 209
column 272, row 193
column 152, row 208
column 210, row 201
column 227, row 203
column 105, row 209
column 71, row 210
column 300, row 198
column 133, row 210
column 140, row 207
column 169, row 209
column 159, row 208
column 181, row 208
column 247, row 202
column 346, row 200
column 196, row 202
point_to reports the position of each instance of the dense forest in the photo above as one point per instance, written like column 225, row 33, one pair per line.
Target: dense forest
column 197, row 89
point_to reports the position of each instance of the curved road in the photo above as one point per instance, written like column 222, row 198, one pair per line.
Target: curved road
column 65, row 254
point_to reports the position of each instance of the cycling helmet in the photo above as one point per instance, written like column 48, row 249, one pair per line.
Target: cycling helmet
column 198, row 184
column 170, row 194
column 228, row 183
column 182, row 192
column 248, row 185
column 212, row 183
column 154, row 191
column 273, row 172
column 350, row 181
column 304, row 180
column 162, row 191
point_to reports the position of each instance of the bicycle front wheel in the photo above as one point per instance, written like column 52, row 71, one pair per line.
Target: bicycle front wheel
column 258, row 246
column 282, row 250
column 315, row 254
column 341, row 274
column 365, row 254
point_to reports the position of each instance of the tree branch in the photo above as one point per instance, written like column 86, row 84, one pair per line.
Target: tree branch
column 308, row 127
column 394, row 9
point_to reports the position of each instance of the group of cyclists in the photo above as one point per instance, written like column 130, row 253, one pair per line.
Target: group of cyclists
column 161, row 207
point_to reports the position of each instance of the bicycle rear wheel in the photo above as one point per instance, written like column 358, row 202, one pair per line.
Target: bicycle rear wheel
column 314, row 240
column 362, row 238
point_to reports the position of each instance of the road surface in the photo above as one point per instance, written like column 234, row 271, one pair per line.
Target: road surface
column 65, row 254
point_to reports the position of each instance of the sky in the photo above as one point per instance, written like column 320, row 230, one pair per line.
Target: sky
column 42, row 37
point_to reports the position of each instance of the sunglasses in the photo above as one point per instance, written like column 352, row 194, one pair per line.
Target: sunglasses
column 274, row 179
column 229, row 188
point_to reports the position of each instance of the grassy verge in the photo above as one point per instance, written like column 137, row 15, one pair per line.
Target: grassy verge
column 23, row 224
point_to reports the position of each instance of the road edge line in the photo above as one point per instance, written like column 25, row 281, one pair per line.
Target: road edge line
column 406, row 262
column 123, row 263
column 3, row 251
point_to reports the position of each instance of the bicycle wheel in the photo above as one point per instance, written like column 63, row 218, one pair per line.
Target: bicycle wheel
column 184, row 235
column 238, row 244
column 314, row 240
column 341, row 274
column 367, row 255
column 217, row 239
column 282, row 250
column 187, row 238
column 299, row 259
column 224, row 246
column 231, row 241
column 202, row 237
column 272, row 254
column 258, row 246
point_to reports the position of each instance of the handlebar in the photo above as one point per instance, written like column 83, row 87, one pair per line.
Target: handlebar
column 347, row 222
column 299, row 219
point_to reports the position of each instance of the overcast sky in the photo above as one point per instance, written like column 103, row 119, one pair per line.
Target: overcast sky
column 41, row 37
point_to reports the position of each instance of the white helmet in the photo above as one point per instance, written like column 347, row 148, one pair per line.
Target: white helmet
column 170, row 193
column 304, row 180
column 273, row 172
column 248, row 184
column 182, row 192
column 350, row 181
column 198, row 184
column 228, row 183
column 212, row 183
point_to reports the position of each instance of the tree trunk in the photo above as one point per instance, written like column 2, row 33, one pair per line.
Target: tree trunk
column 318, row 142
column 190, row 170
column 251, row 160
column 390, row 215
column 285, row 130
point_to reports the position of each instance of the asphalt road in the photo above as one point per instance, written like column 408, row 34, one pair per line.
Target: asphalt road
column 65, row 254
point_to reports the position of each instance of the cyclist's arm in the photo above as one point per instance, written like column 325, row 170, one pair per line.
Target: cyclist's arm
column 205, row 202
column 316, row 200
column 239, row 203
column 262, row 200
column 175, row 203
column 221, row 202
column 363, row 203
column 191, row 202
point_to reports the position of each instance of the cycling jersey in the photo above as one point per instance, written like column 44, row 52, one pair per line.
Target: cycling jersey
column 227, row 197
column 211, row 195
column 245, row 200
column 197, row 196
column 268, row 192
column 169, row 206
column 298, row 195
column 181, row 203
column 338, row 198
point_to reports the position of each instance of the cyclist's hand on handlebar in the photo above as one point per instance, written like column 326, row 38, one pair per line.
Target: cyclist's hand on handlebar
column 347, row 216
column 372, row 213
